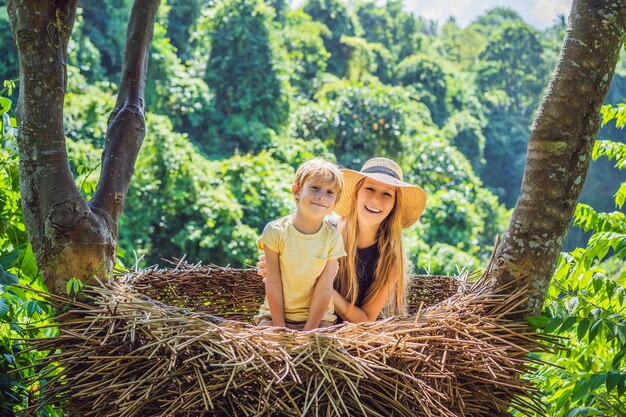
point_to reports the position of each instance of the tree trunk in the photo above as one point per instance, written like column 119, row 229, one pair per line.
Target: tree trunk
column 71, row 238
column 560, row 145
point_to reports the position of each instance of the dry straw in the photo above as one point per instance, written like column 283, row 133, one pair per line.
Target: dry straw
column 151, row 344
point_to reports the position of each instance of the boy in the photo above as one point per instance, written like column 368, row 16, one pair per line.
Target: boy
column 302, row 253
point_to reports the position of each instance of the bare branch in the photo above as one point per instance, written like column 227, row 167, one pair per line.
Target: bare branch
column 126, row 129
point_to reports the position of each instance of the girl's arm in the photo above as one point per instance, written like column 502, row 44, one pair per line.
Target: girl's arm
column 322, row 294
column 368, row 312
column 274, row 288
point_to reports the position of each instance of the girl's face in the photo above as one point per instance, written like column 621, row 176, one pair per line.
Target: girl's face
column 375, row 201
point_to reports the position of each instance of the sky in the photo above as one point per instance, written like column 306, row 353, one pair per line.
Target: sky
column 538, row 13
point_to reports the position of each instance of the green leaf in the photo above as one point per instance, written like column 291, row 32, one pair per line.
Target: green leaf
column 581, row 389
column 73, row 286
column 5, row 105
column 597, row 284
column 582, row 328
column 617, row 360
column 4, row 308
column 553, row 324
column 7, row 278
column 595, row 328
column 567, row 324
column 620, row 195
column 596, row 380
column 621, row 386
column 537, row 322
column 8, row 259
column 612, row 379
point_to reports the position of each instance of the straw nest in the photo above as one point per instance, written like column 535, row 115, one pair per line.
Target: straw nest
column 177, row 342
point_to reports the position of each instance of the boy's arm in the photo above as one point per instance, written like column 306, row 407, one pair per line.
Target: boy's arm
column 322, row 294
column 274, row 288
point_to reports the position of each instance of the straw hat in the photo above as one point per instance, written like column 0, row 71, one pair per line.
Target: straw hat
column 388, row 172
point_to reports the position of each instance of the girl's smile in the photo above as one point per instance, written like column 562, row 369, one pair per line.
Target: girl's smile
column 375, row 201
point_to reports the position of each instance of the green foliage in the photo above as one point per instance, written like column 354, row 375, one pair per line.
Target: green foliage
column 182, row 204
column 435, row 164
column 9, row 63
column 86, row 108
column 171, row 91
column 506, row 141
column 367, row 59
column 82, row 53
column 512, row 62
column 441, row 259
column 496, row 17
column 105, row 24
column 356, row 121
column 452, row 219
column 182, row 17
column 334, row 15
column 261, row 185
column 305, row 54
column 249, row 96
column 464, row 131
column 294, row 151
column 460, row 45
column 425, row 75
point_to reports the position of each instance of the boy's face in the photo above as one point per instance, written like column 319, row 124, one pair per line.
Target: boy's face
column 316, row 199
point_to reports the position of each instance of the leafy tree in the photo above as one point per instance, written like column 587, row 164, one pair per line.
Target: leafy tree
column 305, row 55
column 249, row 96
column 171, row 91
column 105, row 26
column 460, row 45
column 8, row 64
column 334, row 15
column 464, row 131
column 376, row 23
column 505, row 154
column 261, row 185
column 405, row 31
column 513, row 63
column 367, row 59
column 425, row 75
column 83, row 54
column 356, row 121
column 496, row 17
column 181, row 18
column 179, row 205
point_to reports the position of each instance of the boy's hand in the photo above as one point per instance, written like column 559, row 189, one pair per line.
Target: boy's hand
column 262, row 266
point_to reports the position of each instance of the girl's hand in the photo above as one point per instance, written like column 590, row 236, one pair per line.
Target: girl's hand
column 262, row 266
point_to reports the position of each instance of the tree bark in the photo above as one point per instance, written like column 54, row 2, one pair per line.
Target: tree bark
column 71, row 238
column 560, row 145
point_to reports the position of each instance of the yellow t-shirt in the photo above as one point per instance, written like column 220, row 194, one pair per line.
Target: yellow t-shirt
column 302, row 259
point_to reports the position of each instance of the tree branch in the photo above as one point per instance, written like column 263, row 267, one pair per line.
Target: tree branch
column 560, row 145
column 42, row 31
column 126, row 126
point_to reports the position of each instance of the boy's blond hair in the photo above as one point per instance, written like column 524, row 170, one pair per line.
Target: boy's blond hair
column 318, row 169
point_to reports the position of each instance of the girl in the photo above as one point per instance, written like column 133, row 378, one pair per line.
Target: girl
column 375, row 206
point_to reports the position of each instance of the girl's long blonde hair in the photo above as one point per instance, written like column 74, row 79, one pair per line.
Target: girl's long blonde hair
column 392, row 259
